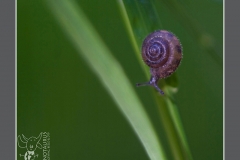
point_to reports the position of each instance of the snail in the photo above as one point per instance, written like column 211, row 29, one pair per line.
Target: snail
column 162, row 52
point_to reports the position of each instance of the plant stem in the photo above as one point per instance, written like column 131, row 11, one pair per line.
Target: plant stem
column 143, row 19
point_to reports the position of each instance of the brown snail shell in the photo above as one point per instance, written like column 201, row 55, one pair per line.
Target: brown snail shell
column 162, row 52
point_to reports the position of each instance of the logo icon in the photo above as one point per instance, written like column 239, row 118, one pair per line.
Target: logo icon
column 31, row 144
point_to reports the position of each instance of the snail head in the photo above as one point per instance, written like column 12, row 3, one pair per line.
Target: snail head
column 153, row 82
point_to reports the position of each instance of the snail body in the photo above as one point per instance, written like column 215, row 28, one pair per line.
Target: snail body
column 162, row 52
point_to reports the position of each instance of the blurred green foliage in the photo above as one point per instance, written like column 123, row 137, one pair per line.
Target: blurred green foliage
column 58, row 93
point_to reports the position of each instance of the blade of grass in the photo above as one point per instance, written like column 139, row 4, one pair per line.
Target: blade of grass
column 132, row 36
column 138, row 17
column 106, row 67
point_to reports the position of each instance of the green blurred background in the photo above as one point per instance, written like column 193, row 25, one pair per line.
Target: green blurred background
column 58, row 93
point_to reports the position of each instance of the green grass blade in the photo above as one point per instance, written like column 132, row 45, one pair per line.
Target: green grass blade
column 139, row 12
column 132, row 36
column 141, row 15
column 106, row 67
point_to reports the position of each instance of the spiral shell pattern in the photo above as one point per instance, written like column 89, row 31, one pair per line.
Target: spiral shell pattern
column 162, row 51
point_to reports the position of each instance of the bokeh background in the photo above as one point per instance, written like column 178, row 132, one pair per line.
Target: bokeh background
column 57, row 92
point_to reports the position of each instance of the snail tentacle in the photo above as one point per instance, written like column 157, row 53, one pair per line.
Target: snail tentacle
column 143, row 84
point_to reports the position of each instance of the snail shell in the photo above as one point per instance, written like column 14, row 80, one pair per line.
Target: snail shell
column 162, row 52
